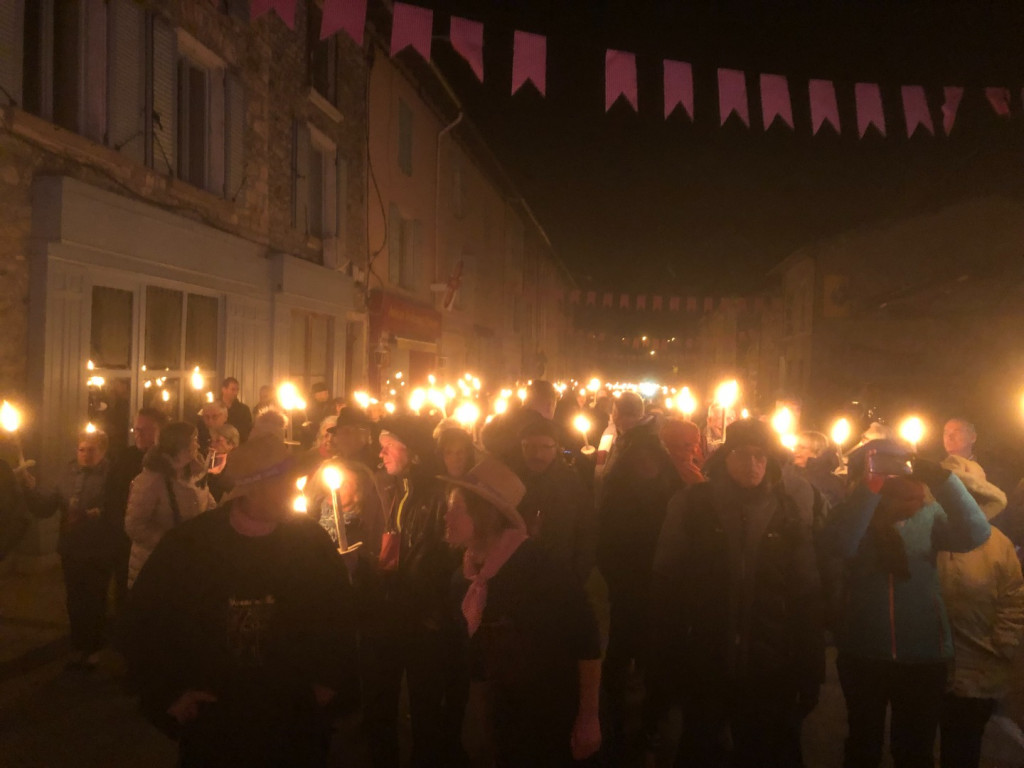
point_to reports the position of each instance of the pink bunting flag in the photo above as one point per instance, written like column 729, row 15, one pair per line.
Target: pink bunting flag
column 619, row 78
column 709, row 304
column 411, row 26
column 624, row 301
column 574, row 296
column 641, row 302
column 529, row 61
column 678, row 87
column 656, row 303
column 606, row 300
column 869, row 107
column 732, row 95
column 673, row 304
column 915, row 109
column 467, row 38
column 775, row 101
column 284, row 8
column 999, row 98
column 950, row 105
column 591, row 298
column 824, row 107
column 348, row 16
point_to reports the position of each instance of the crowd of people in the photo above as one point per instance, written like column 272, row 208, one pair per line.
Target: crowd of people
column 458, row 564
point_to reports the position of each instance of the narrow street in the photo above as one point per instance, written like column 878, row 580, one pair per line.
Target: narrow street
column 50, row 718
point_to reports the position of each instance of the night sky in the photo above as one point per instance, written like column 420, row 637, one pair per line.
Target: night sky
column 635, row 201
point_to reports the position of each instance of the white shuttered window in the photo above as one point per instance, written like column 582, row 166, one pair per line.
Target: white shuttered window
column 126, row 60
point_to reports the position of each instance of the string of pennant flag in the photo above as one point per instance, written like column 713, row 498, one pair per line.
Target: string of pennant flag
column 655, row 303
column 412, row 27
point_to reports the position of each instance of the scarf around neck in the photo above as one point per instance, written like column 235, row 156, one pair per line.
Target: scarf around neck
column 479, row 574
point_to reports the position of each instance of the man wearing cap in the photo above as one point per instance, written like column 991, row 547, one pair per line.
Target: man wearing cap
column 557, row 509
column 735, row 610
column 409, row 630
column 241, row 631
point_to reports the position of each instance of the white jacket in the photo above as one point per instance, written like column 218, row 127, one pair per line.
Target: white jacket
column 150, row 515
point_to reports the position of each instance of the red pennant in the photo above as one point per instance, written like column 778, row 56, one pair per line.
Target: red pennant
column 619, row 78
column 678, row 82
column 869, row 108
column 574, row 296
column 691, row 303
column 529, row 61
column 283, row 8
column 775, row 100
column 258, row 7
column 732, row 95
column 344, row 15
column 656, row 303
column 950, row 106
column 624, row 301
column 673, row 304
column 824, row 107
column 709, row 304
column 915, row 109
column 411, row 26
column 999, row 98
column 607, row 300
column 467, row 39
column 641, row 303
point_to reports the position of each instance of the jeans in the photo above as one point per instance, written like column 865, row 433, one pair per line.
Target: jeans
column 914, row 691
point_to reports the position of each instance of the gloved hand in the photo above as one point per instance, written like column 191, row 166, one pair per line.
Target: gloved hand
column 929, row 472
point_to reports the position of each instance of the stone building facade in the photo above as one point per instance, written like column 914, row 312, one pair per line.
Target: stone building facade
column 183, row 192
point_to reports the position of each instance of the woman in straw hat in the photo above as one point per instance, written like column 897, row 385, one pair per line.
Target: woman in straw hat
column 530, row 630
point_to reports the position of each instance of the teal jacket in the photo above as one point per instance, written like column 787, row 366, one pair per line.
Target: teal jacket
column 884, row 617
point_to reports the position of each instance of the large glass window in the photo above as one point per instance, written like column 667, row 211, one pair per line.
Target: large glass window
column 311, row 358
column 164, row 356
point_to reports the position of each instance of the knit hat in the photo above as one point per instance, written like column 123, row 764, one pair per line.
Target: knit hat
column 542, row 428
column 411, row 431
column 752, row 432
column 351, row 416
column 494, row 482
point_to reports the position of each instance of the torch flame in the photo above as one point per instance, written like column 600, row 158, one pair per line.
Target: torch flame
column 912, row 430
column 467, row 414
column 582, row 424
column 10, row 418
column 841, row 431
column 332, row 477
column 727, row 393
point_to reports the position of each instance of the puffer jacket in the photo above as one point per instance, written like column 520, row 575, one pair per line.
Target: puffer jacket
column 886, row 618
column 150, row 514
column 984, row 594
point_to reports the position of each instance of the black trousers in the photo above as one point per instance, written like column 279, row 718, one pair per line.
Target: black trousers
column 86, row 581
column 961, row 728
column 425, row 658
column 755, row 725
column 914, row 691
column 627, row 623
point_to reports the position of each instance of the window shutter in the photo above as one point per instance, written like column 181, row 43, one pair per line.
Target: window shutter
column 165, row 91
column 342, row 207
column 301, row 178
column 126, row 102
column 234, row 137
column 330, row 195
column 12, row 21
column 414, row 251
column 94, row 77
column 394, row 245
column 216, row 144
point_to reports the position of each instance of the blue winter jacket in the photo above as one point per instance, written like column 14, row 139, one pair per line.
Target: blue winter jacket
column 884, row 617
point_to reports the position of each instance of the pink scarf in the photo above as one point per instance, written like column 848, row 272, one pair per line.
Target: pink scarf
column 475, row 601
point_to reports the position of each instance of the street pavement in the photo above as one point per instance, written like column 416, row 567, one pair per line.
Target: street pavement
column 50, row 718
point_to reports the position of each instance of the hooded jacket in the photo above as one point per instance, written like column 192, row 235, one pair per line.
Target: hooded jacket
column 150, row 513
column 883, row 616
column 984, row 595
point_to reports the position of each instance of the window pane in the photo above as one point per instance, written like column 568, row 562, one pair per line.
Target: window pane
column 197, row 123
column 319, row 353
column 316, row 192
column 65, row 64
column 202, row 326
column 163, row 329
column 111, row 335
column 297, row 354
column 110, row 409
column 164, row 396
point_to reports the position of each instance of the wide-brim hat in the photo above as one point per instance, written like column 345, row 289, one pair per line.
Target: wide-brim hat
column 350, row 416
column 257, row 463
column 411, row 431
column 495, row 483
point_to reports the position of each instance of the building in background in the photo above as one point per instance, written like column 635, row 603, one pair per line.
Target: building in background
column 462, row 276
